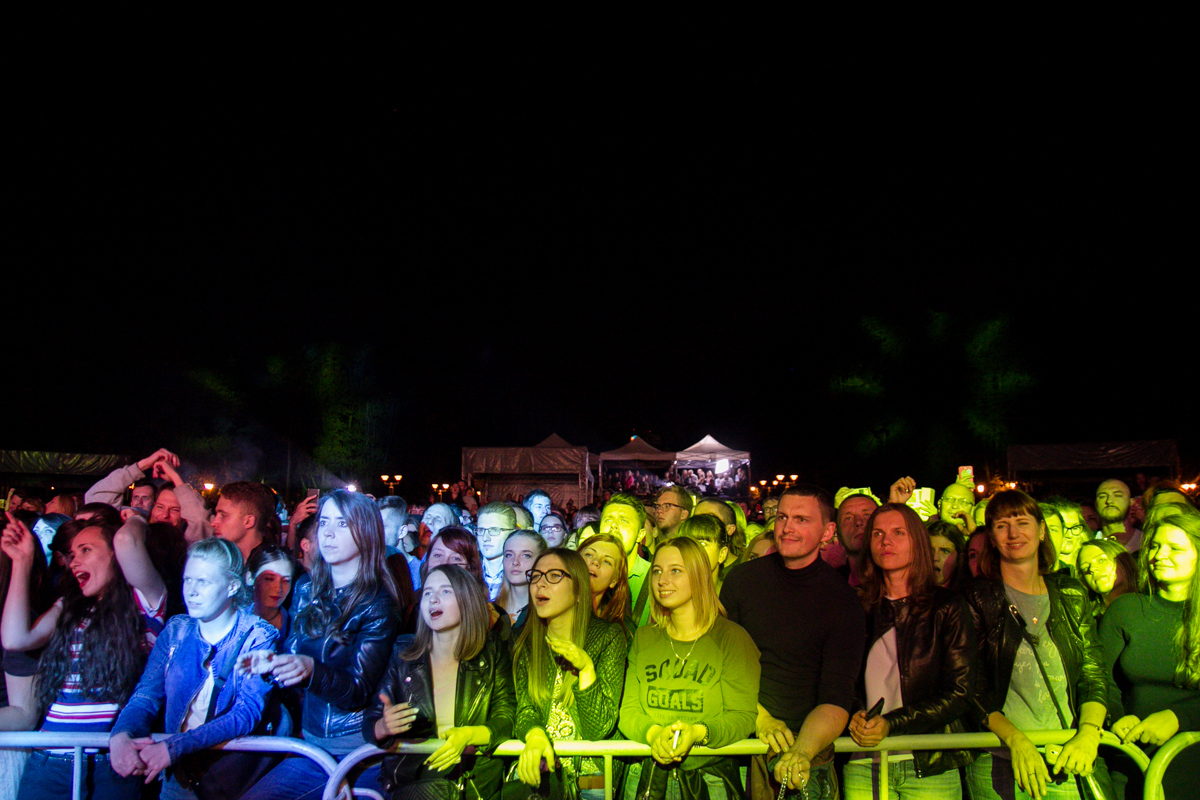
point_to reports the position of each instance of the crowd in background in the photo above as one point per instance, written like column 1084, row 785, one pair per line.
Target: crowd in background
column 674, row 620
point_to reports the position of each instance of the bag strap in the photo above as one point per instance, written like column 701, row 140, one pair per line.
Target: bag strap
column 219, row 680
column 1033, row 643
column 643, row 597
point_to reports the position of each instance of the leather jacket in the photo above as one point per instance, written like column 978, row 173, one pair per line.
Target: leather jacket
column 935, row 654
column 344, row 675
column 1072, row 629
column 484, row 696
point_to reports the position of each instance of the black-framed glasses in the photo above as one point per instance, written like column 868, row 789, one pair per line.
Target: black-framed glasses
column 551, row 575
column 490, row 532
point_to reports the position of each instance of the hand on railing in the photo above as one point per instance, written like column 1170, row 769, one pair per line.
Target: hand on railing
column 1029, row 768
column 868, row 732
column 774, row 733
column 1154, row 729
column 124, row 756
column 155, row 756
column 537, row 748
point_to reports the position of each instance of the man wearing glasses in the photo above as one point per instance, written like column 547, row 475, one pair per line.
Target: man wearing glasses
column 672, row 506
column 496, row 522
column 955, row 507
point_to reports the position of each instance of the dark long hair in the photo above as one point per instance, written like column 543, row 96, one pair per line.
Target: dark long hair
column 112, row 656
column 325, row 616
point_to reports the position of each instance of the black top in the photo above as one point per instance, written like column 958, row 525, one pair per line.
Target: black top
column 808, row 625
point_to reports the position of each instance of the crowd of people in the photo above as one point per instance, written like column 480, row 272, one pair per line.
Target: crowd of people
column 675, row 621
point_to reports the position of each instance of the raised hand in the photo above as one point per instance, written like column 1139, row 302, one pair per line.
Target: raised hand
column 902, row 489
column 161, row 454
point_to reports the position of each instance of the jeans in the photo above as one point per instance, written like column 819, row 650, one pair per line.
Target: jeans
column 861, row 782
column 49, row 776
column 299, row 777
column 992, row 778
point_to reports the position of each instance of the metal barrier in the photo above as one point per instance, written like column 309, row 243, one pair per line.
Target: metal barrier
column 79, row 741
column 1158, row 765
column 748, row 747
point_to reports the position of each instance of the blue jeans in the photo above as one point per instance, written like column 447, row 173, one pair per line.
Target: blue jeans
column 861, row 782
column 52, row 775
column 992, row 778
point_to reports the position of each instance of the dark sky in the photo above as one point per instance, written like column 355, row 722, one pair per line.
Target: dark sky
column 581, row 251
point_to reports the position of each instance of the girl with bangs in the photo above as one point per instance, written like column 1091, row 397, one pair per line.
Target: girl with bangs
column 919, row 657
column 692, row 679
column 346, row 618
column 1151, row 645
column 709, row 532
column 450, row 681
column 569, row 666
column 1040, row 663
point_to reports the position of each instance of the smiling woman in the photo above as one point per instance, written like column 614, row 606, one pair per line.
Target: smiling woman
column 1152, row 647
column 690, row 652
column 1040, row 662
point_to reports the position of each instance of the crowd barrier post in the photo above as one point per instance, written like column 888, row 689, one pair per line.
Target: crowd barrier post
column 79, row 741
column 1162, row 759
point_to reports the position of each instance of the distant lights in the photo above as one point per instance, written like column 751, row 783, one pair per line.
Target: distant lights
column 350, row 487
column 981, row 488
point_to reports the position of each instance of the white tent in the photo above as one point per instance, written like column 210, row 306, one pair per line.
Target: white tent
column 707, row 452
column 554, row 465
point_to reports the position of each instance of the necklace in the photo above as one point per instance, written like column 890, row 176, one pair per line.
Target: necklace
column 688, row 655
column 278, row 611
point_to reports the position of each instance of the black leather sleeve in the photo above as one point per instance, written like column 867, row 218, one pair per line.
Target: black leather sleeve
column 354, row 669
column 952, row 652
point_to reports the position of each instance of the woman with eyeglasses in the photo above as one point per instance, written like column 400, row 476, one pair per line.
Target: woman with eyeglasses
column 553, row 530
column 705, row 668
column 569, row 667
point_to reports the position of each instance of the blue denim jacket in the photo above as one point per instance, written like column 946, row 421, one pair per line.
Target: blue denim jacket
column 175, row 672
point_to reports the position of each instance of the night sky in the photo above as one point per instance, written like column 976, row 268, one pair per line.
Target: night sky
column 853, row 273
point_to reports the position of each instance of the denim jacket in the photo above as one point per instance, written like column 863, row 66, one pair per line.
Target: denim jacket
column 175, row 673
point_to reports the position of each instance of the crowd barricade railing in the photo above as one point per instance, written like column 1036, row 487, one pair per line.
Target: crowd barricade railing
column 747, row 747
column 80, row 741
column 1158, row 765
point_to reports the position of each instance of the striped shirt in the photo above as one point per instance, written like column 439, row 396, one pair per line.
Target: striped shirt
column 73, row 710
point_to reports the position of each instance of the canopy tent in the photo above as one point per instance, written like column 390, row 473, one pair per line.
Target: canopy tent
column 65, row 471
column 707, row 452
column 730, row 468
column 637, row 467
column 561, row 469
column 1092, row 461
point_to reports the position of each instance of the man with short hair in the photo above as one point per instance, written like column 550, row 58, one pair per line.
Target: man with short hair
column 496, row 522
column 142, row 495
column 243, row 515
column 852, row 514
column 800, row 613
column 672, row 506
column 537, row 503
column 1113, row 501
column 394, row 511
column 436, row 517
column 624, row 516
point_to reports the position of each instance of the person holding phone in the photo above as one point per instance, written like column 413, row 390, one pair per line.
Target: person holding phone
column 918, row 670
column 451, row 681
column 692, row 679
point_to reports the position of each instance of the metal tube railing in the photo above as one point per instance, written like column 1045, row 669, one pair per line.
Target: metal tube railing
column 79, row 741
column 621, row 747
column 1158, row 765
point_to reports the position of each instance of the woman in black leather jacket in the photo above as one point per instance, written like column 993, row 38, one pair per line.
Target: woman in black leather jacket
column 346, row 619
column 919, row 658
column 451, row 681
column 1041, row 667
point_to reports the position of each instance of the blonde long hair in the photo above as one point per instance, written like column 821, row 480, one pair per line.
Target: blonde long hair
column 531, row 644
column 705, row 602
